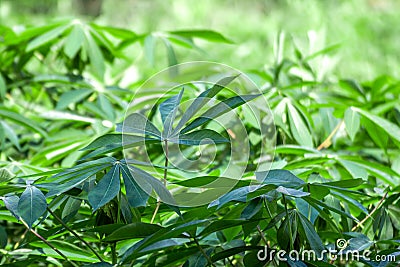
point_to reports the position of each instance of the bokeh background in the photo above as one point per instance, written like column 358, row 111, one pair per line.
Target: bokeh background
column 367, row 31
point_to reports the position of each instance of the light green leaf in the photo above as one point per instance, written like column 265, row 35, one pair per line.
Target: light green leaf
column 352, row 122
column 70, row 250
column 31, row 205
column 355, row 170
column 74, row 41
column 10, row 134
column 390, row 128
column 149, row 47
column 11, row 115
column 298, row 128
column 72, row 96
column 46, row 37
column 95, row 56
column 208, row 35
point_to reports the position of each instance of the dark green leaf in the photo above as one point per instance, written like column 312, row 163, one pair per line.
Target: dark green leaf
column 133, row 230
column 200, row 137
column 219, row 109
column 168, row 110
column 137, row 196
column 31, row 205
column 106, row 189
column 280, row 178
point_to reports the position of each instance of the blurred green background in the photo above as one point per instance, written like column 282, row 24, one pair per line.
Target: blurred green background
column 366, row 30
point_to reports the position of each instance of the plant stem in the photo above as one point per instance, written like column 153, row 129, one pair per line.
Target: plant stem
column 265, row 242
column 371, row 213
column 203, row 252
column 49, row 244
column 289, row 223
column 74, row 233
column 164, row 180
column 114, row 253
column 328, row 141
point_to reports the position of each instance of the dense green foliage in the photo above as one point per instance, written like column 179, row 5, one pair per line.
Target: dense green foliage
column 72, row 198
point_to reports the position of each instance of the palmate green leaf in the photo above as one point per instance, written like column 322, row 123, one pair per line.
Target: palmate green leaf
column 200, row 137
column 106, row 189
column 137, row 123
column 31, row 205
column 352, row 122
column 146, row 180
column 168, row 110
column 390, row 128
column 203, row 99
column 72, row 96
column 137, row 197
column 298, row 128
column 46, row 37
column 219, row 109
column 133, row 230
column 74, row 41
